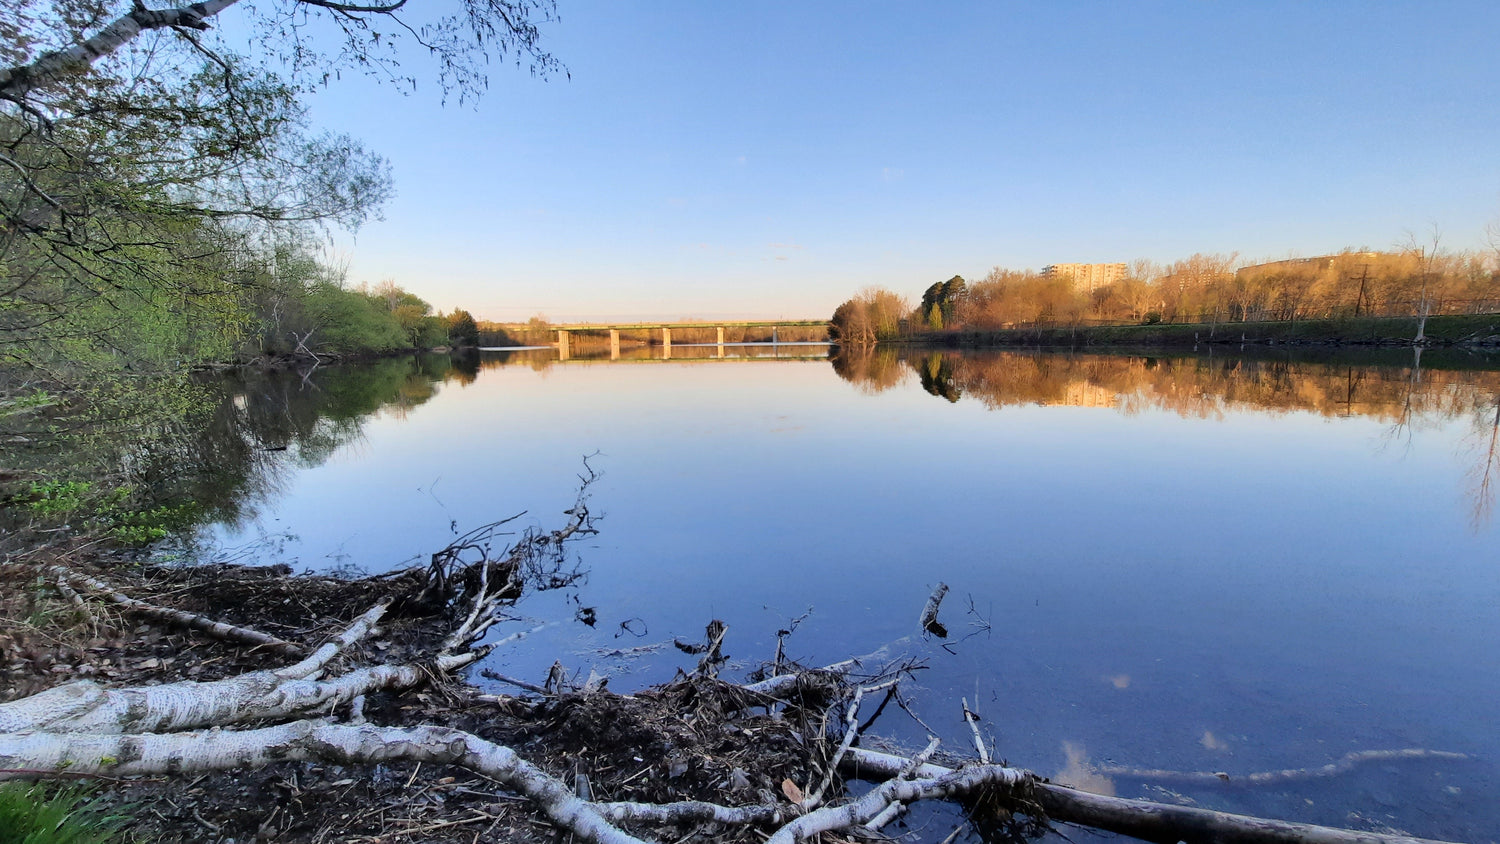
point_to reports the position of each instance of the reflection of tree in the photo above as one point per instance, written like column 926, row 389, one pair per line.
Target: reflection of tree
column 1393, row 393
column 465, row 367
column 1487, row 437
column 256, row 425
column 872, row 368
column 936, row 372
column 1401, row 427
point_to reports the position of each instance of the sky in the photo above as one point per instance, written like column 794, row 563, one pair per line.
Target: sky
column 711, row 160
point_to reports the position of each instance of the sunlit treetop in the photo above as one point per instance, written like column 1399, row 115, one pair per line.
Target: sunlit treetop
column 43, row 42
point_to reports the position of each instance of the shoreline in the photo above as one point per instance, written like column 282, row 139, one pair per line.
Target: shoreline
column 1478, row 331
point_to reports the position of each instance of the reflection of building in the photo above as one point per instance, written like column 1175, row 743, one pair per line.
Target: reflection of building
column 1087, row 277
column 1085, row 394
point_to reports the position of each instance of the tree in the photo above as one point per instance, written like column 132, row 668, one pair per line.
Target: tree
column 873, row 315
column 1426, row 257
column 150, row 168
column 462, row 330
column 940, row 302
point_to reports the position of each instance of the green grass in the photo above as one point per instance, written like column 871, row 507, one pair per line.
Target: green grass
column 42, row 814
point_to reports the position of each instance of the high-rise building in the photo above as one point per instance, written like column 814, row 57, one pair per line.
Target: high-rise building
column 1087, row 277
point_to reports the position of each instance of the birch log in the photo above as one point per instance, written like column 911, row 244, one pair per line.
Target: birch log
column 221, row 750
column 1136, row 818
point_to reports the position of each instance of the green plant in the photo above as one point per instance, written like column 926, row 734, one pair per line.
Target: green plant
column 41, row 814
column 56, row 498
column 142, row 527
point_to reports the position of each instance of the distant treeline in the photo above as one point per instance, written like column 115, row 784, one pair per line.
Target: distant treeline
column 1202, row 289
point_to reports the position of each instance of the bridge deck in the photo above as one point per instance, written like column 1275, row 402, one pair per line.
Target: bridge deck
column 637, row 326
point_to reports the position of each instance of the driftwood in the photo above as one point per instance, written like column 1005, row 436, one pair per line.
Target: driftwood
column 1136, row 818
column 131, row 733
column 929, row 618
column 203, row 624
column 266, row 716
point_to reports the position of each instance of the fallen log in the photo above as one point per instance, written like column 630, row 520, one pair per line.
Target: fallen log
column 219, row 750
column 193, row 621
column 928, row 619
column 1135, row 818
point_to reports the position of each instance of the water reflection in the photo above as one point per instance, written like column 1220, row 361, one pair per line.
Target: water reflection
column 262, row 427
column 1401, row 393
column 544, row 356
column 265, row 426
column 1268, row 590
column 1394, row 388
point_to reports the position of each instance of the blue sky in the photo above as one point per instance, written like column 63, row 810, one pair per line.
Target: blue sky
column 767, row 159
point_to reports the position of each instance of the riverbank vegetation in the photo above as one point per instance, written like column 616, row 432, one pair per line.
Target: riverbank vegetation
column 1355, row 296
column 165, row 205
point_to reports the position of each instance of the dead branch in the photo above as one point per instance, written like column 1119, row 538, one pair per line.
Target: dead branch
column 713, row 656
column 851, row 732
column 204, row 624
column 973, row 721
column 1136, row 818
column 928, row 620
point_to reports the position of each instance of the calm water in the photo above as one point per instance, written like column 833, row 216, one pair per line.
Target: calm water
column 1192, row 563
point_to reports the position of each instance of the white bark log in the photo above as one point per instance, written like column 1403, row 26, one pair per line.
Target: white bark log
column 218, row 750
column 85, row 706
column 1137, row 818
column 694, row 811
column 784, row 684
column 876, row 802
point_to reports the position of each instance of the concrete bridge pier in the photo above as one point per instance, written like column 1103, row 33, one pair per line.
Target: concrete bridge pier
column 666, row 343
column 721, row 341
column 562, row 344
column 614, row 344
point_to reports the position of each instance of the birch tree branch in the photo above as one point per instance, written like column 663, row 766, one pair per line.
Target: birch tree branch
column 17, row 82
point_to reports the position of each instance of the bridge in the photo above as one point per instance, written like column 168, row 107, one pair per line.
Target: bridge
column 666, row 329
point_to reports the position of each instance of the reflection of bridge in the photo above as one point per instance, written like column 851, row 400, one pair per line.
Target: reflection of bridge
column 666, row 329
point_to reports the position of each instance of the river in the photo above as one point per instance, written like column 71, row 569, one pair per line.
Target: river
column 1199, row 562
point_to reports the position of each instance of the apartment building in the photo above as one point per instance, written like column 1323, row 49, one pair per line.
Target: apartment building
column 1087, row 277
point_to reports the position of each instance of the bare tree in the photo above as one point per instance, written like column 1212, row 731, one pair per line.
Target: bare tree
column 1426, row 255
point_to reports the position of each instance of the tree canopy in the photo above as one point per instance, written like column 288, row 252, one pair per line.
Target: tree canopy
column 157, row 183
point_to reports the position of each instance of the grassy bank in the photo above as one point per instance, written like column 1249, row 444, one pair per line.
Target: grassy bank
column 1480, row 329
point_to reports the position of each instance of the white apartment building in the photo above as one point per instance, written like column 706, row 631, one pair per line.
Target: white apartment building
column 1087, row 277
